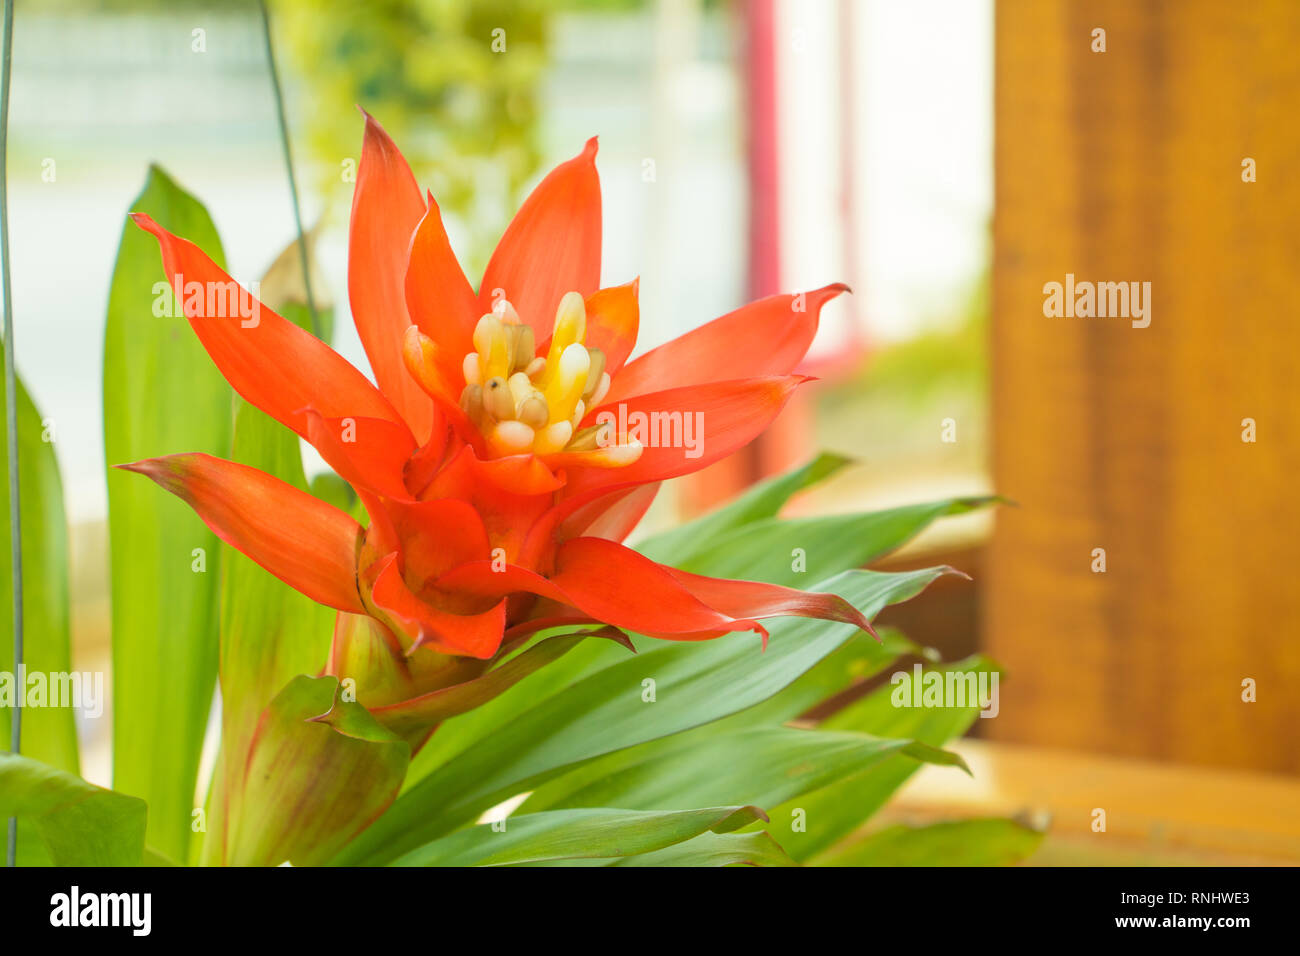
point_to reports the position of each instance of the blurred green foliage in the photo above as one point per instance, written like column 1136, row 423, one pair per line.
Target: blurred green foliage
column 455, row 84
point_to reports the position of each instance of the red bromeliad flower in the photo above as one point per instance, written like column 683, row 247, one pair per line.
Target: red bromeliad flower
column 505, row 454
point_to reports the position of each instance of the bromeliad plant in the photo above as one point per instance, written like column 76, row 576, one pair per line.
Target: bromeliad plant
column 496, row 487
column 492, row 478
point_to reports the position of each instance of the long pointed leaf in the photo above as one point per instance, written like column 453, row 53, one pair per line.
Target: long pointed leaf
column 607, row 711
column 764, row 500
column 715, row 849
column 766, row 550
column 857, row 659
column 836, row 811
column 49, row 733
column 162, row 395
column 764, row 765
column 986, row 842
column 576, row 834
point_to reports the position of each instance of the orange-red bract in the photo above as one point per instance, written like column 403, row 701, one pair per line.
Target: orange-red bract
column 509, row 448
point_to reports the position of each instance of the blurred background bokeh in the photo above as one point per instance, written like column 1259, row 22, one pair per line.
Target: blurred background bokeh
column 755, row 146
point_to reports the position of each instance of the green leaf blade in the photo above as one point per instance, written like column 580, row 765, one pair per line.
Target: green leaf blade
column 78, row 823
column 993, row 841
column 606, row 711
column 49, row 733
column 586, row 834
column 162, row 395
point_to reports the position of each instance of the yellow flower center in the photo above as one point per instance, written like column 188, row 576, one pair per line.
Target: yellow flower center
column 523, row 402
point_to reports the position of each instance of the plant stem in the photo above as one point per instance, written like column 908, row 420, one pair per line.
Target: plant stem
column 288, row 165
column 11, row 412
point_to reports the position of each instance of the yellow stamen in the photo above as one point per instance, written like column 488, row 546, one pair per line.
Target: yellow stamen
column 471, row 369
column 510, row 438
column 570, row 329
column 601, row 390
column 525, row 344
column 535, row 368
column 526, row 403
column 552, row 438
column 595, row 436
column 497, row 399
column 612, row 456
column 564, row 387
column 494, row 345
column 504, row 311
column 596, row 373
column 521, row 389
column 471, row 401
column 534, row 413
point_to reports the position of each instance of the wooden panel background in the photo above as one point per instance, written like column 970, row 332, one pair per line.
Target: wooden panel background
column 1121, row 166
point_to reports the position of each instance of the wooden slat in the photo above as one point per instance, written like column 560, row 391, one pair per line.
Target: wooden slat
column 1155, row 813
column 1123, row 166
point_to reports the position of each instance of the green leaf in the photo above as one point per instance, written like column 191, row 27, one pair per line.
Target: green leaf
column 985, row 842
column 311, row 784
column 858, row 659
column 761, row 765
column 837, row 810
column 763, row 500
column 715, row 849
column 876, row 713
column 761, row 550
column 78, row 823
column 695, row 684
column 599, row 833
column 162, row 395
column 49, row 733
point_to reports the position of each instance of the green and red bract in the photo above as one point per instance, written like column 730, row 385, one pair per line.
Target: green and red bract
column 494, row 460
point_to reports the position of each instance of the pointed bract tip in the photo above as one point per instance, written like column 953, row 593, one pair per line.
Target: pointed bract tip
column 614, row 634
column 589, row 150
column 949, row 569
column 171, row 472
column 827, row 292
column 145, row 466
column 866, row 626
column 328, row 717
column 147, row 223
